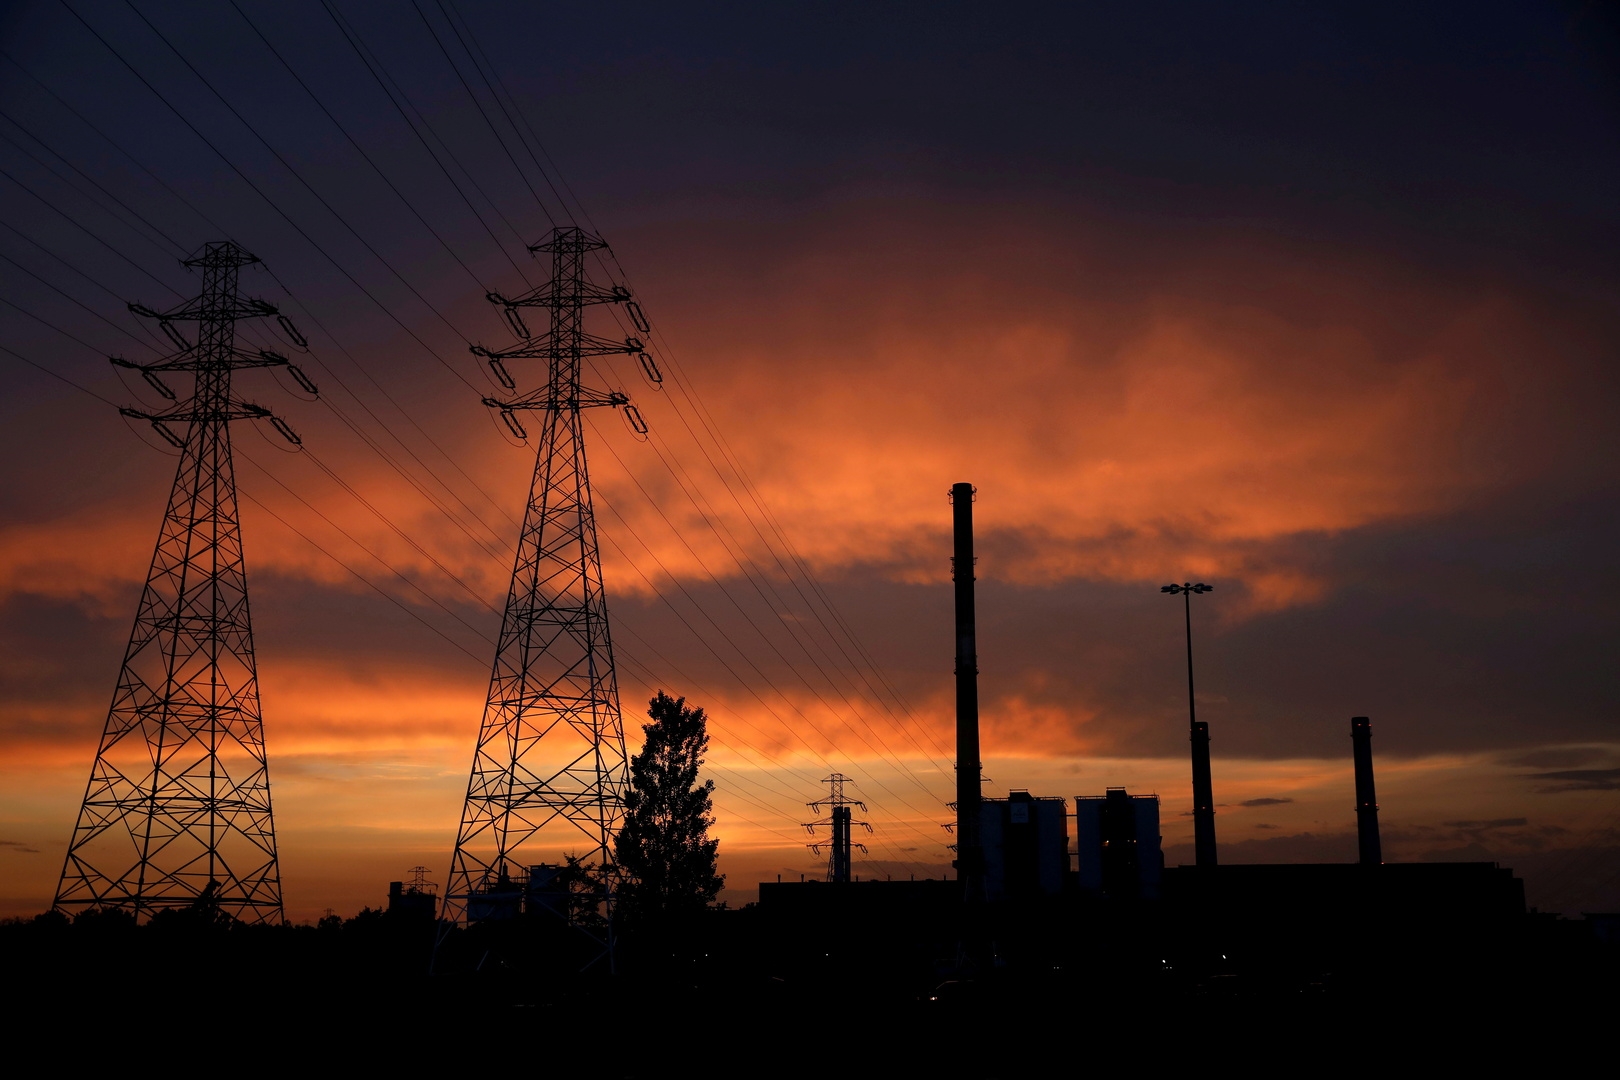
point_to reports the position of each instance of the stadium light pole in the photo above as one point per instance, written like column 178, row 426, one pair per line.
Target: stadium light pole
column 1203, row 789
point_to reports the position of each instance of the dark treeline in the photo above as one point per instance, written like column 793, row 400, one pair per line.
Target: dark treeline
column 1131, row 983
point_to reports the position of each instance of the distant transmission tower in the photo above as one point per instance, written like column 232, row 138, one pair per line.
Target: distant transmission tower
column 549, row 771
column 177, row 811
column 842, row 821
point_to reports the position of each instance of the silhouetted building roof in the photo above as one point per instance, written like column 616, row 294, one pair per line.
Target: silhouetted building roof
column 1025, row 840
column 1117, row 844
column 411, row 902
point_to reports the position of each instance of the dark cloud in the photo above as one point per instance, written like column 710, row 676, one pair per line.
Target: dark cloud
column 18, row 845
column 1301, row 847
column 1264, row 802
column 1557, row 757
column 1579, row 780
column 1263, row 825
column 1495, row 823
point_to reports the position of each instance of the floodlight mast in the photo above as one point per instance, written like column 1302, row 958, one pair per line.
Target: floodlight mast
column 1203, row 787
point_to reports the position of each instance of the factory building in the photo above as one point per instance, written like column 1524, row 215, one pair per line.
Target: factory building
column 1117, row 845
column 414, row 899
column 546, row 892
column 1026, row 846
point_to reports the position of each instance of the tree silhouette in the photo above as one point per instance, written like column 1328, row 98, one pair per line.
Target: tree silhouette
column 663, row 848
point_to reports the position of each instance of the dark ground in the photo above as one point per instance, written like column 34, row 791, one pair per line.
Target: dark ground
column 757, row 991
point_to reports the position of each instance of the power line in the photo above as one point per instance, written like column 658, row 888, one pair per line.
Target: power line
column 344, row 221
column 737, row 551
column 271, row 202
column 330, row 405
column 177, row 249
column 76, row 223
column 905, row 769
column 490, row 124
column 358, row 148
column 379, row 590
column 530, row 143
column 881, row 748
column 302, row 308
column 395, row 95
column 58, row 376
column 483, row 113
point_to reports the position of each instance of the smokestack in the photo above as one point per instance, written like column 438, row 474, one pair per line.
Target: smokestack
column 969, row 857
column 842, row 819
column 1372, row 852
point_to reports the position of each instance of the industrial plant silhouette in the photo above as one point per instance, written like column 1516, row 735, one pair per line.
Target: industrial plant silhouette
column 572, row 918
column 1063, row 900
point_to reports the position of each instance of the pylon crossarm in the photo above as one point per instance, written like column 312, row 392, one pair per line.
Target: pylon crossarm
column 542, row 401
column 199, row 309
column 547, row 297
column 235, row 359
column 546, row 346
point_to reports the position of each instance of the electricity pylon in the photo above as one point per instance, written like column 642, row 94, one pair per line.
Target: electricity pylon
column 550, row 769
column 841, row 819
column 177, row 810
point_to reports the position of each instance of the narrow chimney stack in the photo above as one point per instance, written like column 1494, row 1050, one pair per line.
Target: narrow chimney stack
column 842, row 820
column 969, row 857
column 1372, row 853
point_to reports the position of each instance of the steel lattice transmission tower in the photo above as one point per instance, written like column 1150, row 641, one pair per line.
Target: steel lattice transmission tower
column 550, row 771
column 841, row 820
column 177, row 810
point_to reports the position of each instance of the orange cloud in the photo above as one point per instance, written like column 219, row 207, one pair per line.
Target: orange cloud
column 1205, row 409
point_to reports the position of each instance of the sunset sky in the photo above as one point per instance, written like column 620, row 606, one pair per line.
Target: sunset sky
column 1316, row 303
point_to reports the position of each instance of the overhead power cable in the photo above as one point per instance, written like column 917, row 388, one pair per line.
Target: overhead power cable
column 880, row 747
column 77, row 224
column 297, row 175
column 145, row 223
column 760, row 583
column 326, row 401
column 274, row 205
column 533, row 144
column 378, row 589
column 302, row 232
column 905, row 769
column 57, row 375
column 758, row 671
column 299, row 79
column 483, row 113
column 372, row 553
column 417, row 123
column 520, row 136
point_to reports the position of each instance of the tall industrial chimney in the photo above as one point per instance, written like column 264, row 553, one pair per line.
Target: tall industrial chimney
column 969, row 856
column 1372, row 852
